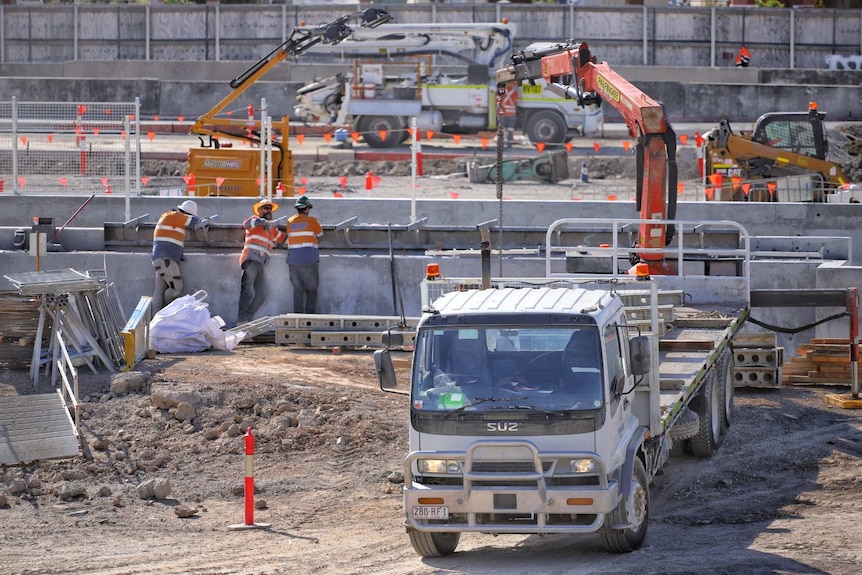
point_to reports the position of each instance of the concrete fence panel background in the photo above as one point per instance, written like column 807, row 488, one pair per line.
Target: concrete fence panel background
column 623, row 35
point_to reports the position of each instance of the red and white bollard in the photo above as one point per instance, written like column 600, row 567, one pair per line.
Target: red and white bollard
column 249, row 487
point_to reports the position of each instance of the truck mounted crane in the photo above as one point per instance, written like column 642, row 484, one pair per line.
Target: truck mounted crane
column 571, row 70
column 220, row 168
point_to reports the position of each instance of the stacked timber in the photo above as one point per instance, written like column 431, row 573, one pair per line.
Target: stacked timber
column 823, row 361
column 19, row 322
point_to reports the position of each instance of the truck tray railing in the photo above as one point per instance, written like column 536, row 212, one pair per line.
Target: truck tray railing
column 710, row 274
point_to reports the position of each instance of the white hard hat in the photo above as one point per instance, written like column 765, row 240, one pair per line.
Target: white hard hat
column 189, row 207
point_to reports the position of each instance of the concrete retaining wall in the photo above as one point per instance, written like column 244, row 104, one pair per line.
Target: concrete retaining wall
column 361, row 284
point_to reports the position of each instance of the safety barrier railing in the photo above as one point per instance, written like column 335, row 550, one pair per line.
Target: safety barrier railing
column 69, row 377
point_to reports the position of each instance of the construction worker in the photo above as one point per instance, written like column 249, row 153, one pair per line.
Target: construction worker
column 508, row 109
column 169, row 239
column 261, row 236
column 303, row 256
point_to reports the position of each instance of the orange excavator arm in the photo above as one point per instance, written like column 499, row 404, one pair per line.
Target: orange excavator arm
column 571, row 71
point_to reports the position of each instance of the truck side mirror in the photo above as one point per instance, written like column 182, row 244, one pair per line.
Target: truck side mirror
column 639, row 355
column 385, row 370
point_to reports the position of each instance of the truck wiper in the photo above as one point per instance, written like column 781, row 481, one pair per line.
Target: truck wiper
column 480, row 401
column 538, row 410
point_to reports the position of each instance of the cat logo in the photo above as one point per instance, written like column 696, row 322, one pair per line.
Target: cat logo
column 498, row 426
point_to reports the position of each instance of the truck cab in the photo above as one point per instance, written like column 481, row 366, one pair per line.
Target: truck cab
column 522, row 418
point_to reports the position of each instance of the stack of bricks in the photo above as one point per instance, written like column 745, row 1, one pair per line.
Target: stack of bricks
column 823, row 361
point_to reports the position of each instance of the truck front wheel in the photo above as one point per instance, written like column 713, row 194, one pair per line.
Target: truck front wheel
column 434, row 544
column 547, row 127
column 633, row 511
column 382, row 131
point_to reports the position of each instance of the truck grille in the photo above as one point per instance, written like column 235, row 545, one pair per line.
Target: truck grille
column 509, row 466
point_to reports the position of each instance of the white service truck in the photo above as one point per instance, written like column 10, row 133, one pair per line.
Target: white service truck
column 379, row 98
column 550, row 405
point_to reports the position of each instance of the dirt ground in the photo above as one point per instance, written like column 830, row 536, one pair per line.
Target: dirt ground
column 780, row 497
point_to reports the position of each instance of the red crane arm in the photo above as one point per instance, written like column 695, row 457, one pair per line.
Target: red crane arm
column 571, row 71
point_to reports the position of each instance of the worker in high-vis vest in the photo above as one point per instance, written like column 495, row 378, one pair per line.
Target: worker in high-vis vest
column 508, row 109
column 169, row 239
column 261, row 237
column 303, row 256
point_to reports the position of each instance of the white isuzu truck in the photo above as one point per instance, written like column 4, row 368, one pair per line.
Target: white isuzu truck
column 549, row 405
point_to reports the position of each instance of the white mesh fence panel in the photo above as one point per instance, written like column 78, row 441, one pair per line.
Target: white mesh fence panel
column 66, row 147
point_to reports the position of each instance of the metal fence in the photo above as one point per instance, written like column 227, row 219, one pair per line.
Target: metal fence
column 57, row 147
column 626, row 35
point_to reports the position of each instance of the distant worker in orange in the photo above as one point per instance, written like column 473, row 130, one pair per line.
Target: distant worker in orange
column 508, row 103
column 743, row 59
column 169, row 239
column 303, row 256
column 261, row 237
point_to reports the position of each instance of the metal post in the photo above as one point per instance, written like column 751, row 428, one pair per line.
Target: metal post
column 853, row 308
column 15, row 145
column 128, row 145
column 217, row 34
column 268, row 133
column 485, row 234
column 645, row 47
column 137, row 148
column 147, row 33
column 712, row 33
column 792, row 39
column 262, row 175
column 413, row 152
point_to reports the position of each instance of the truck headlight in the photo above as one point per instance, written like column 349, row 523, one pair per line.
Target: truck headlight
column 583, row 466
column 439, row 466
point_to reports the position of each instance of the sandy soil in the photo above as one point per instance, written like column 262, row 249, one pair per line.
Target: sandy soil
column 781, row 496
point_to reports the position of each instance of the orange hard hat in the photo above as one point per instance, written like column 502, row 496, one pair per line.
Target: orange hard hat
column 256, row 208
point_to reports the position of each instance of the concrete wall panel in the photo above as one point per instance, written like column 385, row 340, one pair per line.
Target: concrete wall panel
column 818, row 32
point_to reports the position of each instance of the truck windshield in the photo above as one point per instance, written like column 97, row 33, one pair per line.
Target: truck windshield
column 493, row 369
